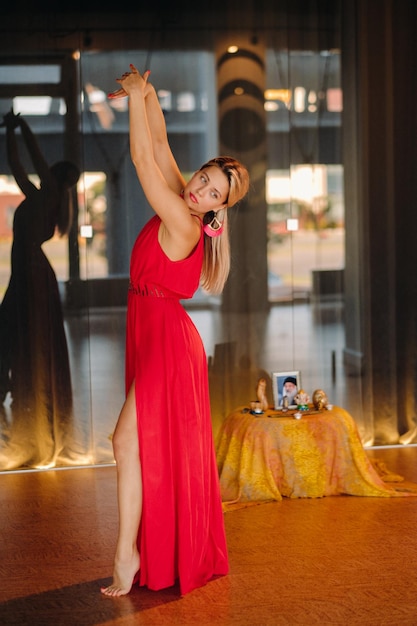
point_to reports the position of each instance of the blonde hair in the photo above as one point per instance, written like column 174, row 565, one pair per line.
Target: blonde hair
column 216, row 263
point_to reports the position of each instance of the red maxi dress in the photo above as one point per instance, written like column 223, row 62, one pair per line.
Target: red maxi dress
column 181, row 536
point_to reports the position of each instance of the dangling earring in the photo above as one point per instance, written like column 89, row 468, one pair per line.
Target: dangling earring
column 214, row 228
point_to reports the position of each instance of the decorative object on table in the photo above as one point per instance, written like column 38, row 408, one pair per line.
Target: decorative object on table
column 285, row 385
column 261, row 394
column 302, row 399
column 256, row 408
column 320, row 399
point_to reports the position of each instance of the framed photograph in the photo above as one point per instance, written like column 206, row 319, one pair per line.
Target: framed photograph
column 285, row 384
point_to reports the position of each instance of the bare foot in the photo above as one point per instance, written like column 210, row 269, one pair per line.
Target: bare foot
column 125, row 573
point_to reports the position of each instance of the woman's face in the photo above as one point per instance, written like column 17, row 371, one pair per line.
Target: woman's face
column 207, row 190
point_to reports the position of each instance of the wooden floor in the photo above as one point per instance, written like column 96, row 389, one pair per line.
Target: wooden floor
column 337, row 560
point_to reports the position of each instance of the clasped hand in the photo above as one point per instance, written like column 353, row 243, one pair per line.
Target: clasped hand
column 10, row 120
column 129, row 82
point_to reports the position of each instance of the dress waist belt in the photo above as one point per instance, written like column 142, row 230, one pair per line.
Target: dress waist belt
column 147, row 290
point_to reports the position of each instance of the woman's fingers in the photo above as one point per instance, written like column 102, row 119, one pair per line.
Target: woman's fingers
column 134, row 70
column 119, row 93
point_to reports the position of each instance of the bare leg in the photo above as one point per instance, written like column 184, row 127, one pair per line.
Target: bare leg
column 129, row 488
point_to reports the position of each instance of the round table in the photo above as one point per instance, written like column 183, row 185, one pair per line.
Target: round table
column 273, row 455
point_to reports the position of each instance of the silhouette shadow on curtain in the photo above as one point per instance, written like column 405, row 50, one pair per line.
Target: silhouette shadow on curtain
column 35, row 378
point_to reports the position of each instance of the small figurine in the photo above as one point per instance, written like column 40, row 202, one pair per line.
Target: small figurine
column 261, row 394
column 302, row 399
column 320, row 399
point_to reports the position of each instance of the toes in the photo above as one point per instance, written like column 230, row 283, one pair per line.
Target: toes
column 113, row 591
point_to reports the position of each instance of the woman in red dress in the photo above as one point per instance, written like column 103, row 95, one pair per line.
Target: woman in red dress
column 171, row 526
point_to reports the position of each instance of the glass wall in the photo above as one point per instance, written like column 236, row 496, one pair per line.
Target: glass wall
column 304, row 180
column 302, row 327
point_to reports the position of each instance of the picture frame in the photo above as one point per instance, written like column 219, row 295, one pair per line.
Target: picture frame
column 278, row 381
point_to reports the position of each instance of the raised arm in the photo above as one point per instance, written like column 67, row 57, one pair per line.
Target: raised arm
column 180, row 230
column 162, row 149
column 11, row 122
column 160, row 144
column 38, row 160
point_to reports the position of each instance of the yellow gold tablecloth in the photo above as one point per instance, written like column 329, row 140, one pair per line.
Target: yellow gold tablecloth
column 268, row 457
